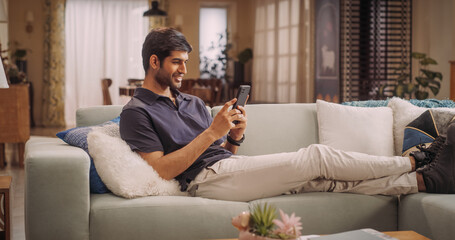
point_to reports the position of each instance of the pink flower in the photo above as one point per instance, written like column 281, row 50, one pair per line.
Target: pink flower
column 289, row 225
column 241, row 221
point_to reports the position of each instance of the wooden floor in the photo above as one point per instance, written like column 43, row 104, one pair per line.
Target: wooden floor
column 17, row 186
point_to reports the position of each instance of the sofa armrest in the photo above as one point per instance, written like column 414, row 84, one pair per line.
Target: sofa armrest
column 57, row 194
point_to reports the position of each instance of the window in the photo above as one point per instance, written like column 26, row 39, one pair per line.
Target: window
column 213, row 42
column 276, row 50
column 103, row 40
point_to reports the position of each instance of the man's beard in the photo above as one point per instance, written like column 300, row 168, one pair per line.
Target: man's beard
column 164, row 80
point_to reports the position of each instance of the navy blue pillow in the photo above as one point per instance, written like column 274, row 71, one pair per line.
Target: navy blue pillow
column 78, row 137
column 425, row 128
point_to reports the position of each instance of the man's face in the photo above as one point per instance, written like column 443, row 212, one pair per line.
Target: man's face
column 172, row 70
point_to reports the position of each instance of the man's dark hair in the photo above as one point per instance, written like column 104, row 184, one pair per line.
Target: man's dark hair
column 161, row 42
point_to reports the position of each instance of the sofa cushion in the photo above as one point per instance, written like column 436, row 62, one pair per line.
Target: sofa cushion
column 78, row 137
column 432, row 215
column 123, row 171
column 162, row 217
column 359, row 129
column 339, row 211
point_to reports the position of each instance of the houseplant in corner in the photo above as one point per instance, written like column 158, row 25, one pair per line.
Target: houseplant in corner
column 426, row 80
column 261, row 224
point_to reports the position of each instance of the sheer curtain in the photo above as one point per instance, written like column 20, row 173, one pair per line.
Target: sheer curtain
column 103, row 40
column 283, row 66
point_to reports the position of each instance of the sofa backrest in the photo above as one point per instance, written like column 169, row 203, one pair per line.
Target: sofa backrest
column 98, row 114
column 274, row 128
column 90, row 116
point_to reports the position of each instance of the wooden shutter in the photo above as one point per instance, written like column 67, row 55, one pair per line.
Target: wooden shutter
column 375, row 41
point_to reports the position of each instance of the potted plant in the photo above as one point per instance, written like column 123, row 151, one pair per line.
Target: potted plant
column 426, row 80
column 261, row 224
column 20, row 59
column 239, row 66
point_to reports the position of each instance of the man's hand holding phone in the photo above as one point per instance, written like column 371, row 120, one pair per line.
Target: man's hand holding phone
column 233, row 120
column 242, row 96
column 237, row 132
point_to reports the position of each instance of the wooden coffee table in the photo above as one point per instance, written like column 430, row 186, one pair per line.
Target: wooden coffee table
column 401, row 235
column 406, row 235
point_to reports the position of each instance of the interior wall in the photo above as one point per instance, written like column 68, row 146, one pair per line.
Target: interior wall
column 33, row 42
column 433, row 33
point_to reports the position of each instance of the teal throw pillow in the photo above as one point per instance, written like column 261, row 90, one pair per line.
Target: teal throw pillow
column 78, row 137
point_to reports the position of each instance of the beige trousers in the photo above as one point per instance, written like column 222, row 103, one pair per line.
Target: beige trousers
column 318, row 168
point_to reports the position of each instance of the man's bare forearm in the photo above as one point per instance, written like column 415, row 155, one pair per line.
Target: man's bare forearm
column 171, row 165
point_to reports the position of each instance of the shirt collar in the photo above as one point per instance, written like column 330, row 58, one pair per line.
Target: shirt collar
column 149, row 97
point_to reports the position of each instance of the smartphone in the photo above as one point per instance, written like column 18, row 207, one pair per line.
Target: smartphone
column 242, row 95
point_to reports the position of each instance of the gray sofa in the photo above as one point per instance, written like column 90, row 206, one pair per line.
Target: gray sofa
column 58, row 203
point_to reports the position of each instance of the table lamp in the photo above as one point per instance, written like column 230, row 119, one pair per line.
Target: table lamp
column 3, row 80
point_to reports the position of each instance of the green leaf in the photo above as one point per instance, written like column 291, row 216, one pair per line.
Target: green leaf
column 418, row 55
column 421, row 95
column 245, row 55
column 435, row 82
column 399, row 91
column 403, row 77
column 435, row 90
column 428, row 61
column 428, row 73
column 381, row 90
column 422, row 81
column 20, row 53
column 261, row 218
column 410, row 88
column 438, row 75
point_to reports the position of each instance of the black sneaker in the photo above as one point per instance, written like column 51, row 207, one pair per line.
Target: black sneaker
column 439, row 175
column 425, row 155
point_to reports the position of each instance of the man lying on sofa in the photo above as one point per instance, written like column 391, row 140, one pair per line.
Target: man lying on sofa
column 176, row 135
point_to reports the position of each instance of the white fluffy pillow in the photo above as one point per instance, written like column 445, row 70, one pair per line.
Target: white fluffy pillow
column 358, row 129
column 405, row 112
column 123, row 171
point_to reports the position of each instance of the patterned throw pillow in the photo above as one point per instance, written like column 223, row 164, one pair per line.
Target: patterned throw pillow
column 78, row 137
column 425, row 128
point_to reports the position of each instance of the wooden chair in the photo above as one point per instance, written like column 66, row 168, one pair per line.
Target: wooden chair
column 105, row 84
column 135, row 82
column 209, row 90
column 187, row 86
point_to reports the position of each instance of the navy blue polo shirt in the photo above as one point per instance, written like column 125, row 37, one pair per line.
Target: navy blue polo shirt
column 151, row 122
